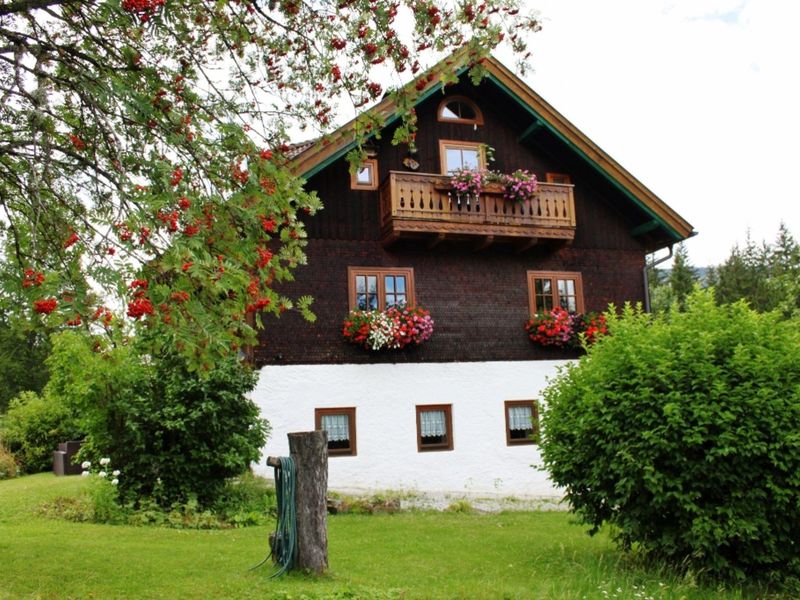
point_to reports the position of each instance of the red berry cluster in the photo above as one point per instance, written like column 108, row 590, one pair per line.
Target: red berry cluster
column 264, row 256
column 105, row 314
column 46, row 306
column 32, row 278
column 140, row 307
column 73, row 237
column 144, row 9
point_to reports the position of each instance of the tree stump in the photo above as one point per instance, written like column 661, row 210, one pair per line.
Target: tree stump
column 309, row 450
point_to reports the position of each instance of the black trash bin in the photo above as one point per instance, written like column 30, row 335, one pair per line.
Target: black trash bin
column 63, row 458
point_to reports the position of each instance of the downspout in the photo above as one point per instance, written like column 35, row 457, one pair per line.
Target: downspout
column 647, row 280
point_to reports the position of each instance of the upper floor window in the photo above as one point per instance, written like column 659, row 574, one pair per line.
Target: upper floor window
column 340, row 424
column 548, row 289
column 458, row 109
column 460, row 155
column 377, row 288
column 366, row 177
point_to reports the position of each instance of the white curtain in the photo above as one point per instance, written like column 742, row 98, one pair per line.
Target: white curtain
column 432, row 423
column 337, row 426
column 519, row 418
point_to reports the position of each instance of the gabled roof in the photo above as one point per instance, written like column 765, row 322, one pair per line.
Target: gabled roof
column 657, row 215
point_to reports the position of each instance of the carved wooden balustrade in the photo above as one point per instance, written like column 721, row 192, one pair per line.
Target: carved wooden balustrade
column 418, row 203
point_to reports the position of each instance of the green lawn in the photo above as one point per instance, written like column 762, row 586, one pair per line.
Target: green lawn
column 409, row 555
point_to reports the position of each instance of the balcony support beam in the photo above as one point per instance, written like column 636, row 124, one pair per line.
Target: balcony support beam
column 390, row 239
column 525, row 244
column 483, row 243
column 437, row 239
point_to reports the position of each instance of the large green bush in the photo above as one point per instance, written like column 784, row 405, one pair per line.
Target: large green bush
column 684, row 433
column 177, row 436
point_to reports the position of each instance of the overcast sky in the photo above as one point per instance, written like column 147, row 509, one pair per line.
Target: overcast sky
column 698, row 99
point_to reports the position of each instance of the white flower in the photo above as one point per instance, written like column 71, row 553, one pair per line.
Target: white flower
column 104, row 461
column 85, row 473
column 86, row 464
column 115, row 473
column 114, row 481
column 102, row 474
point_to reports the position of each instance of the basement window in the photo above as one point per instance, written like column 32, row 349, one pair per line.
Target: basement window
column 434, row 427
column 522, row 422
column 340, row 424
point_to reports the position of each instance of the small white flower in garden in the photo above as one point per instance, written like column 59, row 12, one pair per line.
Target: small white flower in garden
column 86, row 464
column 102, row 474
column 104, row 461
column 85, row 473
column 114, row 481
column 115, row 473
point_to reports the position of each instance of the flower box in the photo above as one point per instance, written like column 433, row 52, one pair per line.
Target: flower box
column 393, row 328
column 562, row 329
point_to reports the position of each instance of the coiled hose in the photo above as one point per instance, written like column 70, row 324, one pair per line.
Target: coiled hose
column 284, row 545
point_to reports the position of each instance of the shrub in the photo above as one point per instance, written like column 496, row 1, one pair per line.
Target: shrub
column 176, row 435
column 35, row 425
column 682, row 432
column 8, row 464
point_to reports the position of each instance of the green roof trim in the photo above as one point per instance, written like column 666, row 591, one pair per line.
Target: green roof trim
column 644, row 228
column 583, row 155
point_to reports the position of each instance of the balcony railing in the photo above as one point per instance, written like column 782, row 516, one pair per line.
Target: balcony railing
column 420, row 203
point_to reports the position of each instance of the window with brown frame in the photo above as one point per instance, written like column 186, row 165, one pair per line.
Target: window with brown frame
column 434, row 427
column 366, row 177
column 340, row 424
column 458, row 109
column 548, row 289
column 372, row 288
column 460, row 155
column 557, row 178
column 522, row 422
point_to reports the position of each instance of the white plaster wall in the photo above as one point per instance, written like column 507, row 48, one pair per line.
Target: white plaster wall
column 385, row 396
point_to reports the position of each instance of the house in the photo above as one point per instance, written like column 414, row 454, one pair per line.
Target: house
column 455, row 413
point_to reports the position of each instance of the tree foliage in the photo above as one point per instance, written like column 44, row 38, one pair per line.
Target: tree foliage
column 144, row 155
column 681, row 431
column 682, row 276
column 23, row 351
column 766, row 275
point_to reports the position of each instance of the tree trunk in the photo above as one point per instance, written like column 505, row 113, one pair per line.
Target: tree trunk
column 309, row 450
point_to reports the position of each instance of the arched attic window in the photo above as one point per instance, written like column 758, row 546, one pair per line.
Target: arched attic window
column 458, row 109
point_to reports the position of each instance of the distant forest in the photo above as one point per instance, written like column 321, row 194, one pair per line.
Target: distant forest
column 765, row 275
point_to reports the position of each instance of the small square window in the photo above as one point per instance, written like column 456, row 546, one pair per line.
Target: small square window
column 340, row 424
column 366, row 177
column 522, row 422
column 434, row 427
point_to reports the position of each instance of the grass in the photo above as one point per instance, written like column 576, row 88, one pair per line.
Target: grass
column 406, row 555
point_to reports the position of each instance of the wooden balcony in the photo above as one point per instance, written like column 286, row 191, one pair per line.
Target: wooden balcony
column 422, row 205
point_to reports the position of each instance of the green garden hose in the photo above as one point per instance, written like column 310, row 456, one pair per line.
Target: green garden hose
column 284, row 546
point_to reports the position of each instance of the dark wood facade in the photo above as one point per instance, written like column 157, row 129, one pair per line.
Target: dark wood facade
column 478, row 299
